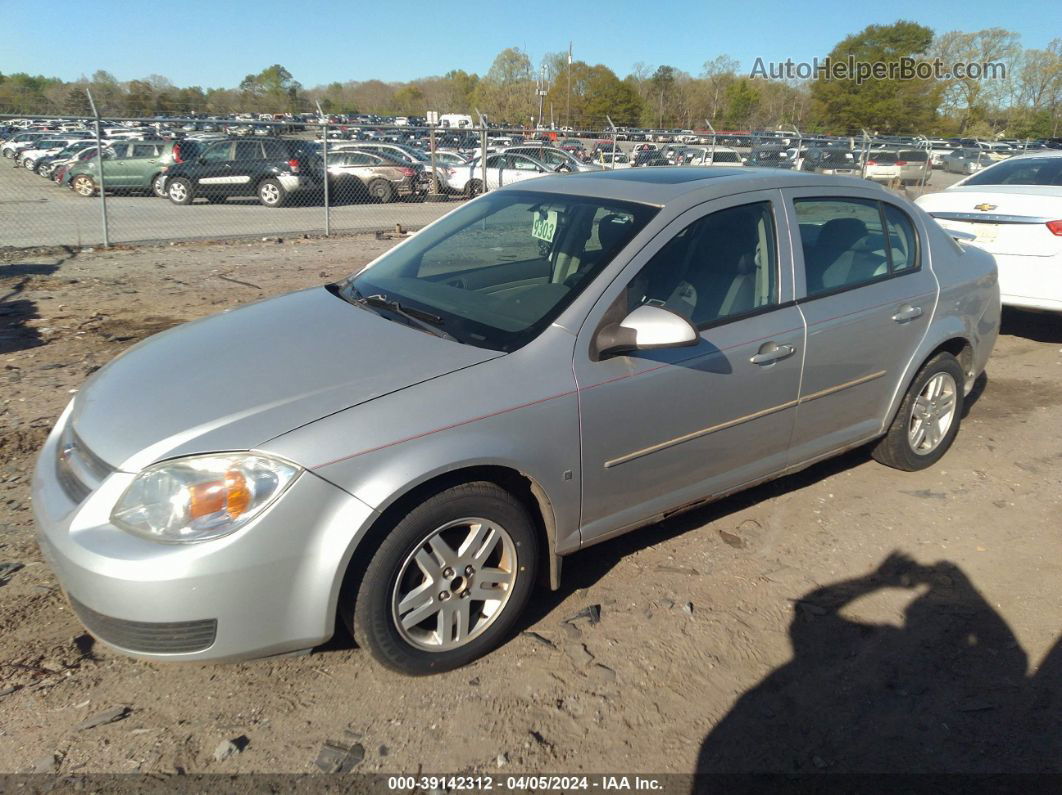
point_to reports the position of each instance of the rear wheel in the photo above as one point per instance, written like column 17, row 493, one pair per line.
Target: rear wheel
column 928, row 419
column 158, row 185
column 83, row 185
column 180, row 190
column 381, row 190
column 271, row 193
column 448, row 582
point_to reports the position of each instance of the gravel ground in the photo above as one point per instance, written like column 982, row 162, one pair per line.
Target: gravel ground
column 849, row 618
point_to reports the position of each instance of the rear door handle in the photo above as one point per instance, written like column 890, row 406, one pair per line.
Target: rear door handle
column 771, row 352
column 906, row 313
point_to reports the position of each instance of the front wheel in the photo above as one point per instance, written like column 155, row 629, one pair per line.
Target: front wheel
column 474, row 188
column 84, row 186
column 448, row 582
column 180, row 190
column 928, row 419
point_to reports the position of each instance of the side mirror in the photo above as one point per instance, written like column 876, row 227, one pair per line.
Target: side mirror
column 647, row 327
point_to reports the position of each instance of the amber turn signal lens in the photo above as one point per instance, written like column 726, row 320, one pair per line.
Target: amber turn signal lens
column 231, row 495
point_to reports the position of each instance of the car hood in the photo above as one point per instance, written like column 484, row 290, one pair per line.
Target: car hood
column 236, row 380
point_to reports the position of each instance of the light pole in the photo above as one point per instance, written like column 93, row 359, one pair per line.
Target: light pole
column 568, row 113
column 541, row 93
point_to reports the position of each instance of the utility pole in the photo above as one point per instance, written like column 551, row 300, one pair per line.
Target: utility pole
column 541, row 93
column 568, row 113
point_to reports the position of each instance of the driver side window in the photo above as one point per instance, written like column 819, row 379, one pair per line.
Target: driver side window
column 721, row 266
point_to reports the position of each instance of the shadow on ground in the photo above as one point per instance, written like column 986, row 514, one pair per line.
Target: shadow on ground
column 1038, row 326
column 15, row 310
column 948, row 692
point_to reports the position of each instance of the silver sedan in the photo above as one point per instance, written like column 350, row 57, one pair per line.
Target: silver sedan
column 553, row 364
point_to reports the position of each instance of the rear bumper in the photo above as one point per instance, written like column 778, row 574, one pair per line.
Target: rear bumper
column 1030, row 282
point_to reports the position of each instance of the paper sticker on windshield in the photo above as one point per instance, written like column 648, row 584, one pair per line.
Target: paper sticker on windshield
column 544, row 227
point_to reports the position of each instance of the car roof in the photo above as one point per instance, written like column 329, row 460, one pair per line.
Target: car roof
column 658, row 186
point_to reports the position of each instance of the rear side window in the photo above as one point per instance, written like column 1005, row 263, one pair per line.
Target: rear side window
column 248, row 150
column 849, row 242
column 144, row 150
column 275, row 150
column 1024, row 171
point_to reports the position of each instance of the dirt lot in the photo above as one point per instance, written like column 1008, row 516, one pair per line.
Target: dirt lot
column 776, row 630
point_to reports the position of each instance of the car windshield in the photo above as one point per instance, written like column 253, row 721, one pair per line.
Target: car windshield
column 496, row 272
column 1021, row 171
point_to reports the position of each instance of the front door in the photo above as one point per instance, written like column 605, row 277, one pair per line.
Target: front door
column 664, row 428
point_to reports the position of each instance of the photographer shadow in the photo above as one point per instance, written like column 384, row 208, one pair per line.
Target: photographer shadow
column 948, row 692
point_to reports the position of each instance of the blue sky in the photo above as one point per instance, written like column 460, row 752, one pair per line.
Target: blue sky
column 214, row 43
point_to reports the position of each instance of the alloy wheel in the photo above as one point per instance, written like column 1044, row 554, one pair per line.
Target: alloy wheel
column 454, row 585
column 932, row 414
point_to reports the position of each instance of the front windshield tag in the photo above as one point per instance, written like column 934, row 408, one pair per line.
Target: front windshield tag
column 544, row 227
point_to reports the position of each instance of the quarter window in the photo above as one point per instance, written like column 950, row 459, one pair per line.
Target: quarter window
column 720, row 266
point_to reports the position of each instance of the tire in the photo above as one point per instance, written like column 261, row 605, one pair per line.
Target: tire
column 158, row 185
column 83, row 185
column 382, row 191
column 501, row 539
column 271, row 193
column 928, row 419
column 473, row 188
column 180, row 191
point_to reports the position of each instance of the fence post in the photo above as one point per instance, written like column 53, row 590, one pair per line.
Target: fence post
column 324, row 166
column 99, row 157
column 483, row 148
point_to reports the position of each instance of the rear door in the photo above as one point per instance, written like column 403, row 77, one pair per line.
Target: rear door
column 143, row 164
column 867, row 294
column 116, row 171
column 248, row 165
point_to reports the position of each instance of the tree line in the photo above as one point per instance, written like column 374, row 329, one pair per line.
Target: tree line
column 1026, row 102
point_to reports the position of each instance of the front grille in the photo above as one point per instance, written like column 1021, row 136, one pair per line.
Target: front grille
column 148, row 637
column 79, row 470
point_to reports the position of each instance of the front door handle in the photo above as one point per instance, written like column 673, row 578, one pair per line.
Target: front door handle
column 906, row 313
column 771, row 352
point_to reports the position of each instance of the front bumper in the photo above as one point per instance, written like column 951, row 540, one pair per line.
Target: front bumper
column 269, row 588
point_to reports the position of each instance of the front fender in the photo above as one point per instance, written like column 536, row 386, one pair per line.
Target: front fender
column 519, row 411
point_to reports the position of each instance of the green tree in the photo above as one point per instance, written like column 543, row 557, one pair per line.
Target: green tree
column 505, row 94
column 76, row 103
column 884, row 104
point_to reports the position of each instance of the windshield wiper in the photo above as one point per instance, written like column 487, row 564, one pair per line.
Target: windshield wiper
column 424, row 320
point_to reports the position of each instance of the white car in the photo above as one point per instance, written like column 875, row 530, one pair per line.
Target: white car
column 706, row 156
column 502, row 169
column 1013, row 210
column 13, row 146
column 28, row 157
column 882, row 167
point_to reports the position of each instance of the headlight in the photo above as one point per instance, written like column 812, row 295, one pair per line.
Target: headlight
column 201, row 497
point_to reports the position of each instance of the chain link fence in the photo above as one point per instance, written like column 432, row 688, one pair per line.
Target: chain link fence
column 193, row 178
